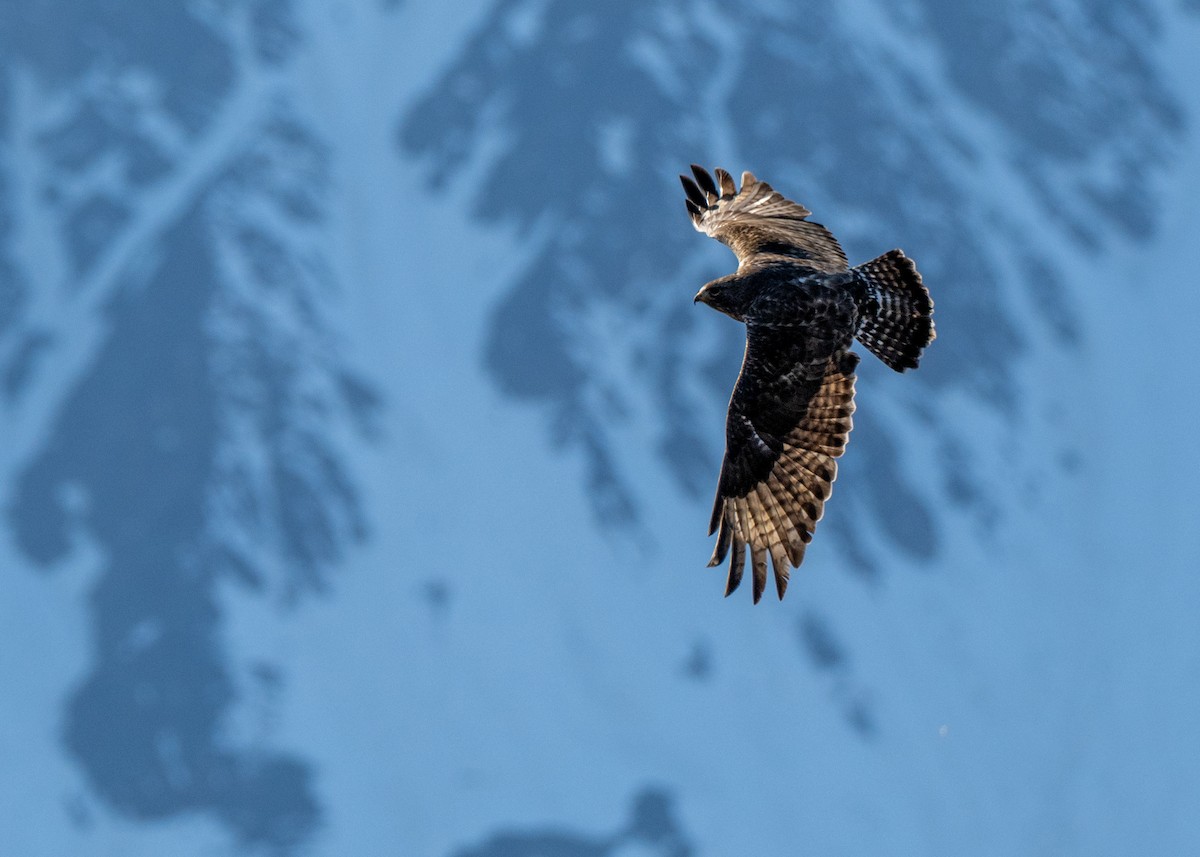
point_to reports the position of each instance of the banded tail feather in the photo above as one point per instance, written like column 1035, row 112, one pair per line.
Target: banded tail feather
column 897, row 315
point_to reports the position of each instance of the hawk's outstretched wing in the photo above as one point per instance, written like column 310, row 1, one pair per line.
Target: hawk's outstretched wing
column 758, row 220
column 788, row 422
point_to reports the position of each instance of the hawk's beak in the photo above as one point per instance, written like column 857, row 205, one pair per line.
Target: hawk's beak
column 701, row 297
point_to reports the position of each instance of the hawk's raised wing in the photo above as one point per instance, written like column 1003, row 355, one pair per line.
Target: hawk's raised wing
column 759, row 221
column 788, row 422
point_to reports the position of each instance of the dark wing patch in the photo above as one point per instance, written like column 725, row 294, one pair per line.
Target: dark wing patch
column 783, row 437
column 758, row 221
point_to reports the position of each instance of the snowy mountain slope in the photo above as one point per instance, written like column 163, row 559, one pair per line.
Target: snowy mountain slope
column 941, row 166
column 179, row 407
column 519, row 704
column 500, row 670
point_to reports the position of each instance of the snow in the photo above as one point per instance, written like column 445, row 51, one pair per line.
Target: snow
column 492, row 659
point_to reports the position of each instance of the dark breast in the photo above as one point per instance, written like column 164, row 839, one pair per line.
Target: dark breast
column 805, row 316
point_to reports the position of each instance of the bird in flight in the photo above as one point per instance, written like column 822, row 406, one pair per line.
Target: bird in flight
column 790, row 413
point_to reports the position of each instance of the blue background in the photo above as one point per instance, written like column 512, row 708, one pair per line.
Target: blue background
column 359, row 432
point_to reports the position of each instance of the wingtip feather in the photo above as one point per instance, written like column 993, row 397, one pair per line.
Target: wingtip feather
column 758, row 558
column 725, row 180
column 706, row 183
column 779, row 564
column 737, row 566
column 694, row 193
column 722, row 546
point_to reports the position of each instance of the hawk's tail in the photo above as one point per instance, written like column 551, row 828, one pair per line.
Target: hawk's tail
column 897, row 312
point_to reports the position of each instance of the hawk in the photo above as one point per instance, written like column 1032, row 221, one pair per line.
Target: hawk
column 790, row 413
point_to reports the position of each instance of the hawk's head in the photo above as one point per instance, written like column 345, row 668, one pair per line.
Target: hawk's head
column 731, row 295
